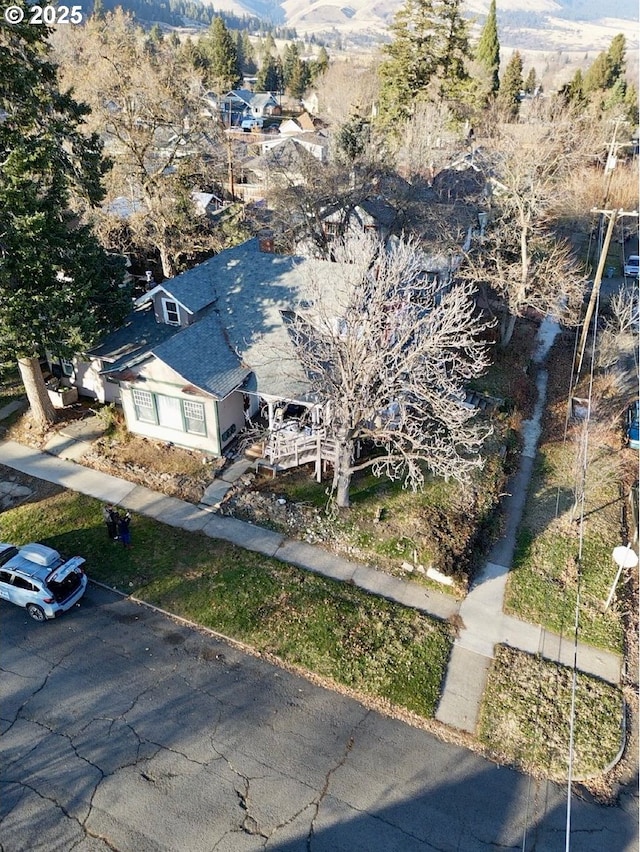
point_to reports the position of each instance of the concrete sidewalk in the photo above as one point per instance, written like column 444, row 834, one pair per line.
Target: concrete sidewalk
column 484, row 623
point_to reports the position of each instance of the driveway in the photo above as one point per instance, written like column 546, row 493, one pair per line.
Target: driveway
column 125, row 731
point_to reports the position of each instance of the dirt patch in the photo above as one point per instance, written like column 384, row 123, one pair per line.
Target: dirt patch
column 21, row 488
column 162, row 467
column 169, row 470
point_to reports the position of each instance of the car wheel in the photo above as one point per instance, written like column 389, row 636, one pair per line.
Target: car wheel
column 36, row 612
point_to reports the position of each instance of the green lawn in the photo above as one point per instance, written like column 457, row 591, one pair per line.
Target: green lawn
column 543, row 585
column 526, row 713
column 335, row 630
column 442, row 525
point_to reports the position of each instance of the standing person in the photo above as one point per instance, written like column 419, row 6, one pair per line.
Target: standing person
column 123, row 528
column 110, row 515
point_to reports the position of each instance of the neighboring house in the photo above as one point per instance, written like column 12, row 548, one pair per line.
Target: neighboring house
column 123, row 207
column 317, row 144
column 370, row 214
column 207, row 203
column 243, row 103
column 205, row 351
column 312, row 103
column 293, row 126
column 281, row 163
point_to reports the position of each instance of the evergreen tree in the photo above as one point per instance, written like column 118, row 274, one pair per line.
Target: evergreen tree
column 268, row 46
column 510, row 87
column 58, row 289
column 248, row 52
column 322, row 62
column 488, row 49
column 427, row 57
column 531, row 83
column 269, row 77
column 220, row 58
column 631, row 105
column 616, row 59
column 574, row 90
column 290, row 58
column 299, row 79
column 353, row 138
column 597, row 75
column 240, row 60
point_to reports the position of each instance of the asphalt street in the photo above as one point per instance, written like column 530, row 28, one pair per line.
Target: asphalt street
column 123, row 730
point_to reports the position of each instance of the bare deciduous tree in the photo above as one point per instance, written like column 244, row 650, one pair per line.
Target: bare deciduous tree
column 147, row 103
column 303, row 194
column 617, row 350
column 391, row 353
column 345, row 89
column 427, row 142
column 521, row 257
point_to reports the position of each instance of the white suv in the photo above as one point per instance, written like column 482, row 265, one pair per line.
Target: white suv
column 252, row 124
column 38, row 578
column 632, row 266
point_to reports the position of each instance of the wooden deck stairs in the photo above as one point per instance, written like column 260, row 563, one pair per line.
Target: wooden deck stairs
column 284, row 452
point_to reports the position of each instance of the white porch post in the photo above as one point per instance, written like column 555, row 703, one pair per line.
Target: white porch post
column 319, row 458
column 270, row 410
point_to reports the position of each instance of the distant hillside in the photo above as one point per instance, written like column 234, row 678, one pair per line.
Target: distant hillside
column 527, row 24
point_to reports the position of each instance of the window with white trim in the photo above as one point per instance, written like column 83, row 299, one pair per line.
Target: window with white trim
column 145, row 409
column 183, row 415
column 171, row 314
column 194, row 417
column 67, row 367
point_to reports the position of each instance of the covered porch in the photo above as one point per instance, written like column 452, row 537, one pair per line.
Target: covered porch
column 296, row 434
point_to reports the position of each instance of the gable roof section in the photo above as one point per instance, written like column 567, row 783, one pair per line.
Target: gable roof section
column 201, row 355
column 254, row 288
column 194, row 289
column 244, row 292
column 133, row 341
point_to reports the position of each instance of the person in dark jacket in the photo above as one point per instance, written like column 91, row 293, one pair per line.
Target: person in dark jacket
column 123, row 529
column 110, row 517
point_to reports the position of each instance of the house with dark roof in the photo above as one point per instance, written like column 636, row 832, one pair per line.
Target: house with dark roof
column 202, row 352
column 243, row 103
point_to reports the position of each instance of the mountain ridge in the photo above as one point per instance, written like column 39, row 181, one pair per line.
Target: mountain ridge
column 520, row 22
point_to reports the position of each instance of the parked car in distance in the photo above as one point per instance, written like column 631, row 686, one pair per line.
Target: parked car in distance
column 38, row 578
column 633, row 426
column 632, row 266
column 252, row 123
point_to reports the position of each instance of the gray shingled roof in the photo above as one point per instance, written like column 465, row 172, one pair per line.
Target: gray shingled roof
column 133, row 341
column 253, row 288
column 247, row 289
column 194, row 288
column 201, row 355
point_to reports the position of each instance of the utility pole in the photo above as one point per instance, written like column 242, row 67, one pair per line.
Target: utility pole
column 613, row 216
column 230, row 169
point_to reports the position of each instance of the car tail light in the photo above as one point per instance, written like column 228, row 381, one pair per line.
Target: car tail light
column 48, row 600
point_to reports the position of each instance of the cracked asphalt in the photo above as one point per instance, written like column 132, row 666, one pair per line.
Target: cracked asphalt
column 122, row 730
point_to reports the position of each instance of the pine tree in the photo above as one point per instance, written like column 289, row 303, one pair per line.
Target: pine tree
column 597, row 75
column 427, row 57
column 58, row 289
column 220, row 57
column 299, row 78
column 269, row 77
column 616, row 59
column 510, row 87
column 249, row 54
column 488, row 49
column 290, row 58
column 531, row 83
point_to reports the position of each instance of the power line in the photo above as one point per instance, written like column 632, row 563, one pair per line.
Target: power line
column 576, row 629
